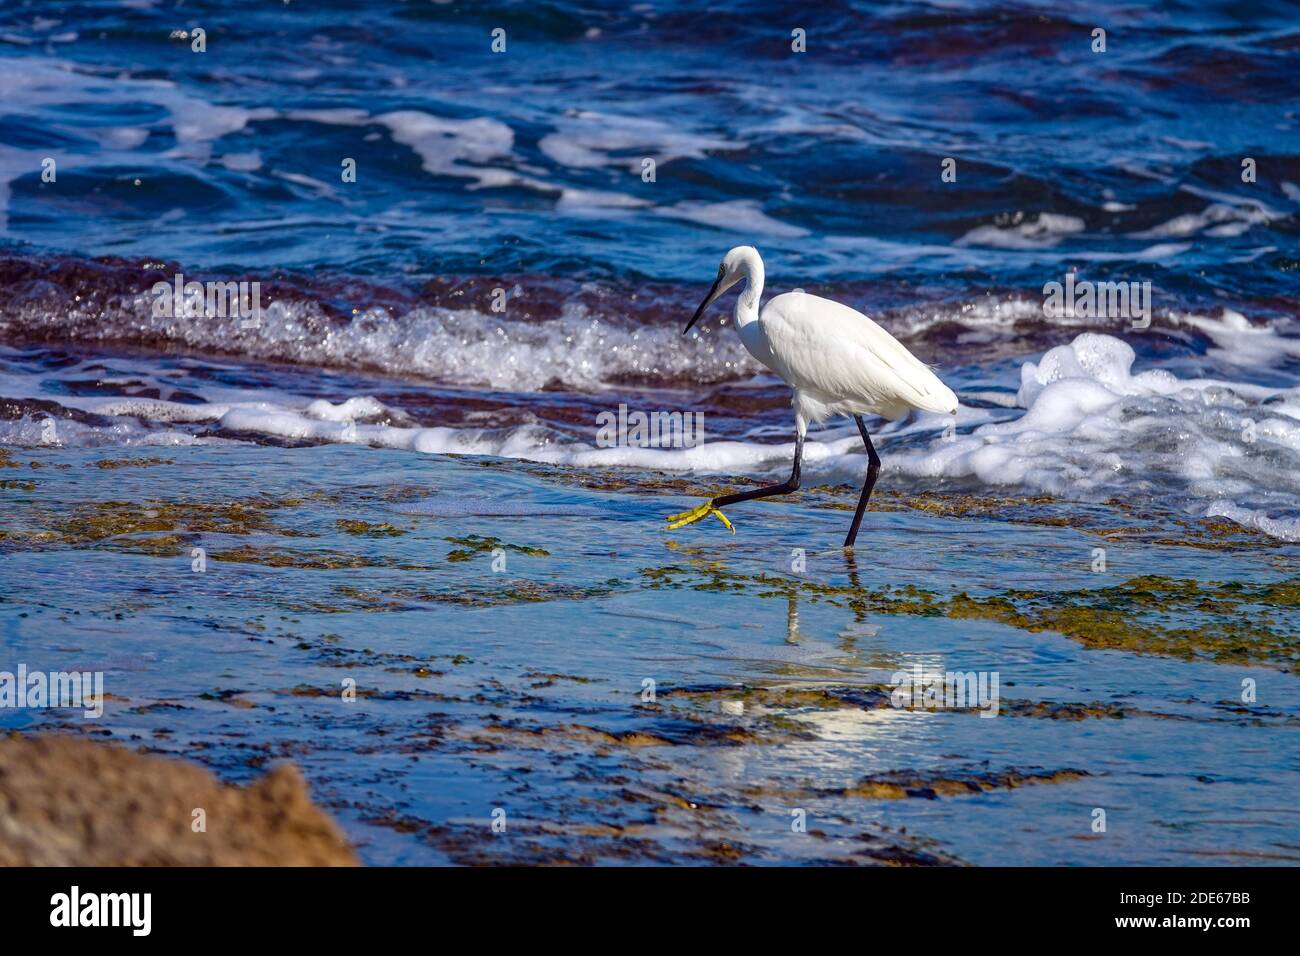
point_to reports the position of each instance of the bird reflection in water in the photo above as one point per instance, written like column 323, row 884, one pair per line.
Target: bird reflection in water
column 850, row 634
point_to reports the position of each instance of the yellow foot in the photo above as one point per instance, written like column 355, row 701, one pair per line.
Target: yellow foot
column 695, row 514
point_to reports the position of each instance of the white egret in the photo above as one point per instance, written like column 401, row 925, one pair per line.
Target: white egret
column 838, row 362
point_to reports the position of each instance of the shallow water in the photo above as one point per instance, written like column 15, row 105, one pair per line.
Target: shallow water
column 500, row 661
column 419, row 400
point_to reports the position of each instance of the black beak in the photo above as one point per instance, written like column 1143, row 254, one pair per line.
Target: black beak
column 708, row 301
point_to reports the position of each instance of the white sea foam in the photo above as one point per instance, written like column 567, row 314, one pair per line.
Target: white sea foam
column 584, row 139
column 742, row 216
column 1288, row 529
column 126, row 432
column 455, row 346
column 39, row 88
column 1240, row 343
column 354, row 408
column 1093, row 428
column 455, row 147
column 1042, row 232
column 597, row 201
column 1217, row 219
column 1083, row 425
column 479, row 149
column 1090, row 428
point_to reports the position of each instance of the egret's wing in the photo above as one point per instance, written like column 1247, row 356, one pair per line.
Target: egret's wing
column 838, row 352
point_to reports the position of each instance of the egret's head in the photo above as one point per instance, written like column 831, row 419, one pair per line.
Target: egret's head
column 736, row 265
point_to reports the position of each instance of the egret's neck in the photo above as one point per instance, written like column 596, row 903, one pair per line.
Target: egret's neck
column 747, row 303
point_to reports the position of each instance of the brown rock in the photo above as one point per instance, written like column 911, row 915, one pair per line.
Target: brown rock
column 71, row 802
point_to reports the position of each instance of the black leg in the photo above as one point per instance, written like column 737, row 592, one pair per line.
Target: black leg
column 873, row 469
column 768, row 490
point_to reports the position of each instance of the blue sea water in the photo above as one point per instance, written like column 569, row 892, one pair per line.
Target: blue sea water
column 529, row 161
column 525, row 235
column 501, row 236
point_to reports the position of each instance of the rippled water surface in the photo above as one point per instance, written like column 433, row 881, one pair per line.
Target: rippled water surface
column 393, row 476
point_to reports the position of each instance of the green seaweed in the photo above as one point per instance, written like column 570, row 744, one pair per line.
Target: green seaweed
column 474, row 545
column 111, row 463
column 364, row 529
column 1144, row 614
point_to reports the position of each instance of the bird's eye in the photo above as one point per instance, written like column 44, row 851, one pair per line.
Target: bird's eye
column 722, row 270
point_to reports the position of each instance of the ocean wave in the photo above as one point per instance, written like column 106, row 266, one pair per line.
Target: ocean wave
column 529, row 333
column 1094, row 428
column 1083, row 425
column 1042, row 231
column 538, row 339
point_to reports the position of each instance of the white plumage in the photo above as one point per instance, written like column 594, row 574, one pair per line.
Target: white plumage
column 837, row 360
